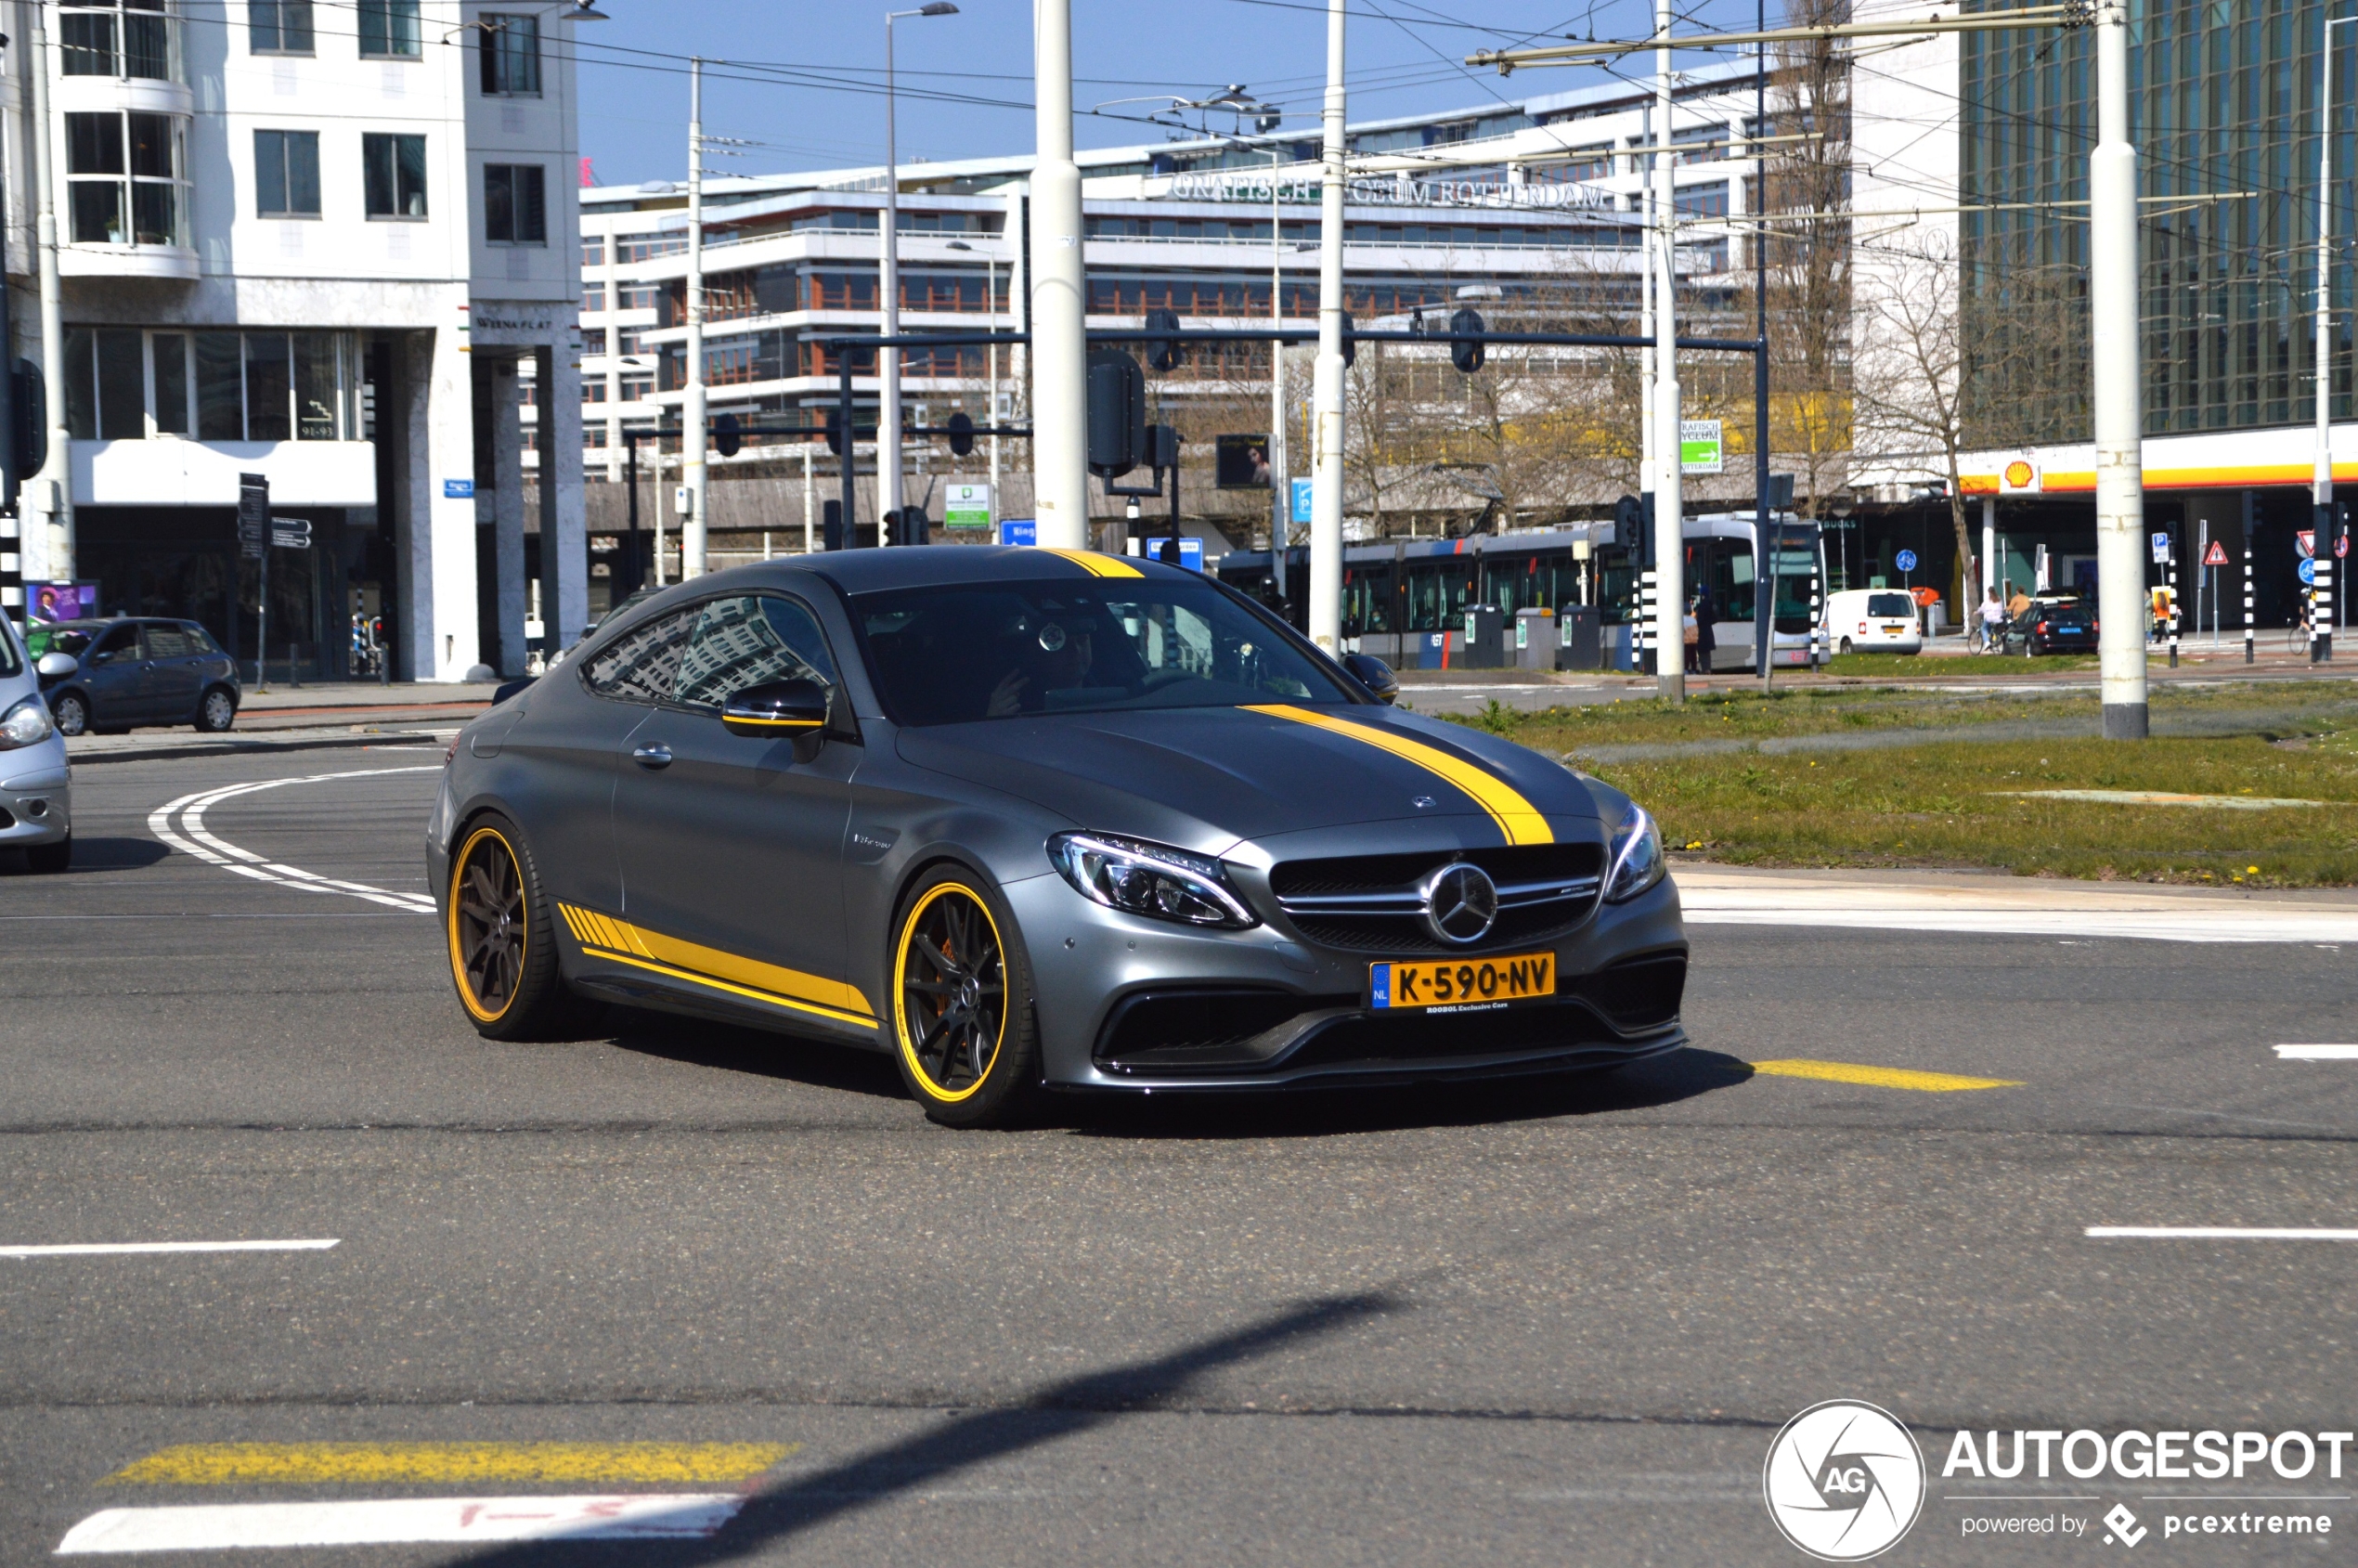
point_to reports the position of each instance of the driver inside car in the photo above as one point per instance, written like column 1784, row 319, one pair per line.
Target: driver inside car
column 1057, row 657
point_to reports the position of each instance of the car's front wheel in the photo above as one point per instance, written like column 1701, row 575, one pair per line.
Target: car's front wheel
column 217, row 712
column 70, row 712
column 962, row 1018
column 503, row 953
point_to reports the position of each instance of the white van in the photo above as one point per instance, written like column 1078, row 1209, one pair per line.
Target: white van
column 1873, row 620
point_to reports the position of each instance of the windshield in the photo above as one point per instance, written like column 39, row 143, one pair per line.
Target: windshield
column 9, row 662
column 949, row 656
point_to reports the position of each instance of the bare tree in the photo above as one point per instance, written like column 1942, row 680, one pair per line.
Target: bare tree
column 1807, row 240
column 1909, row 371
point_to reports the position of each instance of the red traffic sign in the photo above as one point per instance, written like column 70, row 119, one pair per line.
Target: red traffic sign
column 2341, row 545
column 2218, row 556
column 2305, row 541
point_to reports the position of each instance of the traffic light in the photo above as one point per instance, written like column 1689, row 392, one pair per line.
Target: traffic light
column 1465, row 345
column 1632, row 521
column 1350, row 344
column 1162, row 352
column 913, row 527
column 962, row 435
column 835, row 436
column 1117, row 414
column 831, row 522
column 1162, row 446
column 728, row 436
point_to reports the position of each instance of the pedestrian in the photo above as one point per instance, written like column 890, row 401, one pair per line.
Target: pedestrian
column 1699, row 641
column 2018, row 603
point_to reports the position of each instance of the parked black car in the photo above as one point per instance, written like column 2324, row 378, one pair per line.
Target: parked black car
column 136, row 671
column 2057, row 625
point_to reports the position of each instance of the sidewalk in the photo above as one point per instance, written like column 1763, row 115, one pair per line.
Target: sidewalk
column 1985, row 903
column 305, row 717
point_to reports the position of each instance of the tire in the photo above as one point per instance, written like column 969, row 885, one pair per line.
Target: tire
column 71, row 713
column 500, row 941
column 49, row 859
column 1846, row 644
column 216, row 711
column 955, row 950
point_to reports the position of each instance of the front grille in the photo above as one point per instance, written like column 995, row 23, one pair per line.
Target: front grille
column 1368, row 903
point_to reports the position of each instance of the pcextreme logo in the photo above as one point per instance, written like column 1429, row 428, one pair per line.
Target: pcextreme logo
column 1844, row 1480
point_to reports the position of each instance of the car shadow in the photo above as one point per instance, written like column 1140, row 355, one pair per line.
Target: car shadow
column 798, row 1505
column 733, row 1048
column 96, row 855
column 1666, row 1080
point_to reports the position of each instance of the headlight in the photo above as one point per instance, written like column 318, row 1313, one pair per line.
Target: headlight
column 25, row 725
column 1637, row 858
column 1149, row 880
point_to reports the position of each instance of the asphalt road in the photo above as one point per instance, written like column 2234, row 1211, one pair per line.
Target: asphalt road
column 1513, row 1325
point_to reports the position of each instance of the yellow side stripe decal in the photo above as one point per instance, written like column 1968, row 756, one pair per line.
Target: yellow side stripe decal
column 221, row 1464
column 1518, row 819
column 1099, row 565
column 642, row 949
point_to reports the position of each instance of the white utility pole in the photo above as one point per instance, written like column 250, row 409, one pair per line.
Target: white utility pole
column 1326, row 440
column 990, row 302
column 1280, row 476
column 809, row 505
column 2120, row 473
column 1670, row 589
column 53, row 485
column 692, row 405
column 1059, row 343
column 2322, row 473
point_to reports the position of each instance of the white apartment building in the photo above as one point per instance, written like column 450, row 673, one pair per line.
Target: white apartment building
column 323, row 241
column 1536, row 193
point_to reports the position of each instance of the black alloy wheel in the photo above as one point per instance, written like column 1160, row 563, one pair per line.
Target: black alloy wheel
column 961, row 1013
column 71, row 713
column 503, row 953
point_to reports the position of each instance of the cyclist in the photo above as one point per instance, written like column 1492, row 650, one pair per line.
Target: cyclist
column 1993, row 616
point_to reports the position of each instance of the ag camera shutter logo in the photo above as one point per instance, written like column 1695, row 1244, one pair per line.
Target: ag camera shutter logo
column 1844, row 1480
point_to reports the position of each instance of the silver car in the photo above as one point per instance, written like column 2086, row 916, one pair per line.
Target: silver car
column 36, row 800
column 1035, row 820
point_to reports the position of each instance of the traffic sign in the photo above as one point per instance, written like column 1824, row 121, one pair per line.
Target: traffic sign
column 2161, row 550
column 2218, row 556
column 1019, row 530
column 2308, row 572
column 2305, row 543
column 254, row 514
column 1301, row 507
column 1905, row 560
column 291, row 533
column 1700, row 447
column 966, row 506
column 2341, row 545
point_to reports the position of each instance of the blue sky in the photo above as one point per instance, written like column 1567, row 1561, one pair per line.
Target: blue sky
column 804, row 86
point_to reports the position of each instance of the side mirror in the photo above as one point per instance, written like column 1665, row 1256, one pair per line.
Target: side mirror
column 1374, row 674
column 777, row 710
column 57, row 667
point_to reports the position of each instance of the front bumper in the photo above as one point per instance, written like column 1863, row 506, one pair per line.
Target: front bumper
column 1282, row 1013
column 36, row 796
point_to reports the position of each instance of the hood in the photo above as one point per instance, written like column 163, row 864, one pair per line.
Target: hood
column 1205, row 778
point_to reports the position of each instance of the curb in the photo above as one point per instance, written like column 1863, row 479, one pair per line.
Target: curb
column 244, row 748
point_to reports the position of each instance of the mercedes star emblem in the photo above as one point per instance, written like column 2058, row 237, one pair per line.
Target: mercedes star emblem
column 1460, row 903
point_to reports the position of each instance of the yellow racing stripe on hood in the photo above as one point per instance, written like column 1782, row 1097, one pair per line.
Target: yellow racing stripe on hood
column 1096, row 565
column 1518, row 819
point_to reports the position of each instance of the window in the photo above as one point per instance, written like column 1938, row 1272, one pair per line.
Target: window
column 629, row 343
column 635, row 296
column 515, row 204
column 279, row 27
column 123, row 384
column 643, row 665
column 115, row 38
column 106, row 385
column 593, row 340
column 594, row 389
column 638, row 389
column 750, row 641
column 593, row 296
column 105, row 209
column 510, row 56
column 169, row 353
column 389, row 29
column 394, row 175
column 167, row 641
column 593, row 252
column 286, row 174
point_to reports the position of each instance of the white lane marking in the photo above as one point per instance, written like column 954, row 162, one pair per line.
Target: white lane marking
column 193, row 838
column 2317, row 1053
column 2003, row 906
column 2226, row 925
column 97, row 1249
column 2217, row 1233
column 220, row 1527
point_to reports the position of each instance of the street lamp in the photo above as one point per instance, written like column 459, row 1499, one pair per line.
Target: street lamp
column 889, row 400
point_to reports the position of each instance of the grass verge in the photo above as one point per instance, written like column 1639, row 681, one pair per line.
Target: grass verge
column 1917, row 666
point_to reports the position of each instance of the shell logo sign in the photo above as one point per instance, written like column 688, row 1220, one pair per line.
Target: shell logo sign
column 2019, row 477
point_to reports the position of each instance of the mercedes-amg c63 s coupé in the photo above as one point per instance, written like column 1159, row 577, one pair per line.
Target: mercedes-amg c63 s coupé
column 1034, row 820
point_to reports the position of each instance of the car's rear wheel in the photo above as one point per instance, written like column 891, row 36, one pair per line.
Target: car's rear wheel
column 1846, row 644
column 502, row 955
column 217, row 712
column 962, row 1019
column 70, row 712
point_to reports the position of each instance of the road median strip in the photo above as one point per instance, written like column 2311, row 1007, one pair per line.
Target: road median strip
column 1880, row 1077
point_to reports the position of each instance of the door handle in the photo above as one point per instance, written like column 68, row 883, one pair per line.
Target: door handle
column 656, row 756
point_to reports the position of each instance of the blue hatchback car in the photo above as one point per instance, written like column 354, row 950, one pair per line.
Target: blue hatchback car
column 136, row 670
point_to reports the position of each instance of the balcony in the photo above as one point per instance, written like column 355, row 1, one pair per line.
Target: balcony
column 124, row 114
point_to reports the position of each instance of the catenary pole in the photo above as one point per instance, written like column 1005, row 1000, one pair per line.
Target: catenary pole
column 2322, row 471
column 1670, row 593
column 53, row 490
column 1649, row 447
column 1060, row 347
column 889, row 360
column 2113, row 297
column 1325, row 441
column 1765, row 560
column 1281, row 482
column 691, row 405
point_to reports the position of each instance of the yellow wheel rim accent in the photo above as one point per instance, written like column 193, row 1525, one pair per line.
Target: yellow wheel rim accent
column 932, row 1089
column 467, row 997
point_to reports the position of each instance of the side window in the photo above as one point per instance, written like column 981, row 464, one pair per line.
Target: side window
column 122, row 642
column 168, row 642
column 750, row 641
column 643, row 665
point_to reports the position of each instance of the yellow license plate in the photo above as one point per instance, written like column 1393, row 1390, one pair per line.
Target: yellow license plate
column 1464, row 984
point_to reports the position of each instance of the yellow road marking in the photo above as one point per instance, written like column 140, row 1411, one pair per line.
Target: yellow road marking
column 1098, row 565
column 1880, row 1077
column 1519, row 821
column 215, row 1464
column 711, row 966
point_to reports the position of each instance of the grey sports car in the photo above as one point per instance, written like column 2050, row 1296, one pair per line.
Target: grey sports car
column 1036, row 820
